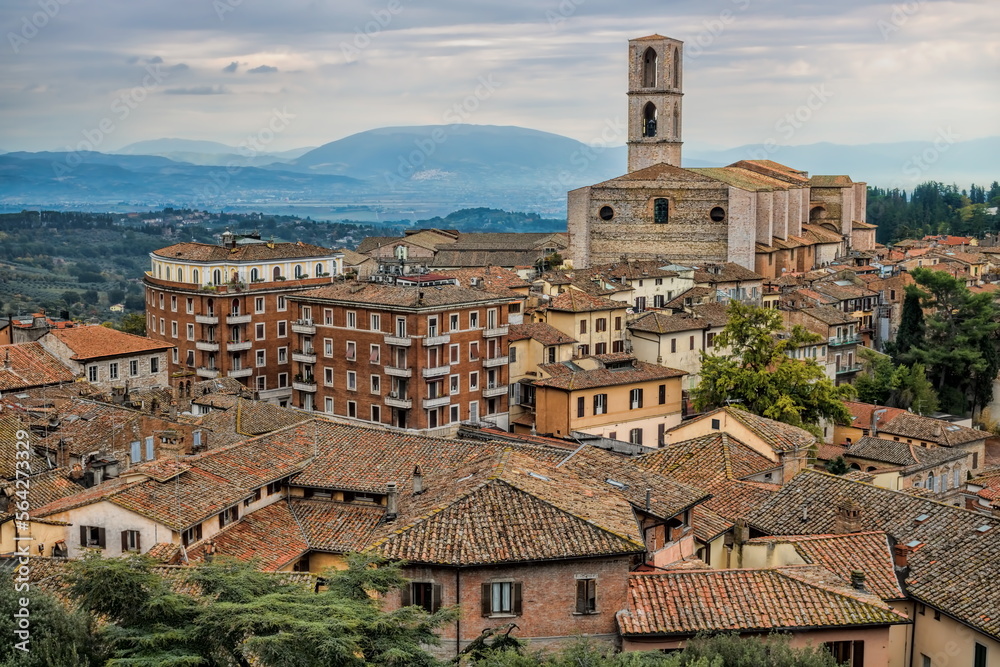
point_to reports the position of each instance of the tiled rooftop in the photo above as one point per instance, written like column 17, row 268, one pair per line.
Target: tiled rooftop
column 404, row 297
column 95, row 342
column 544, row 333
column 641, row 371
column 243, row 252
column 29, row 365
column 901, row 453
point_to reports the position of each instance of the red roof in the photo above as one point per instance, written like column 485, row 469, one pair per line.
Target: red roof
column 95, row 342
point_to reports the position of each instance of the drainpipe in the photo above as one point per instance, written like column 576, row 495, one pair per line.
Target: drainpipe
column 458, row 619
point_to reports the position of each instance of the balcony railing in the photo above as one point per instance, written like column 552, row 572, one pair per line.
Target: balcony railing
column 206, row 372
column 400, row 341
column 206, row 319
column 240, row 372
column 237, row 318
column 438, row 402
column 307, row 384
column 854, row 368
column 239, row 345
column 207, row 345
column 304, row 325
column 395, row 402
column 304, row 356
column 398, row 372
column 492, row 332
column 844, row 340
column 496, row 361
column 441, row 339
column 495, row 390
column 436, row 371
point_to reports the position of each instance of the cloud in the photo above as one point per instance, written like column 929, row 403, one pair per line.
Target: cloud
column 231, row 67
column 263, row 69
column 198, row 90
column 178, row 68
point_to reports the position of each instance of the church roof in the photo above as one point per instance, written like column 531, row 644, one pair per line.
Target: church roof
column 658, row 172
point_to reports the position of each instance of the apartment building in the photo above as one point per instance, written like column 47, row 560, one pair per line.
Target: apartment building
column 225, row 308
column 424, row 355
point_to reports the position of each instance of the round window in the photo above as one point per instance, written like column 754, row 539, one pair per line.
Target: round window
column 606, row 213
column 717, row 214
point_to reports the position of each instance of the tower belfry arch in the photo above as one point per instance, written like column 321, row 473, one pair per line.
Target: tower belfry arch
column 654, row 102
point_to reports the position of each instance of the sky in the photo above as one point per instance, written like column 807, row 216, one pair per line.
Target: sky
column 294, row 73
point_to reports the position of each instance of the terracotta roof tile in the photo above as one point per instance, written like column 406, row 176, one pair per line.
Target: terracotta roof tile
column 405, row 297
column 28, row 365
column 243, row 252
column 641, row 371
column 576, row 301
column 544, row 333
column 901, row 453
column 96, row 342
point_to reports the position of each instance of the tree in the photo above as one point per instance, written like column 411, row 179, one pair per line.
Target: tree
column 837, row 466
column 911, row 324
column 898, row 386
column 755, row 372
column 133, row 323
column 91, row 297
column 71, row 297
column 58, row 635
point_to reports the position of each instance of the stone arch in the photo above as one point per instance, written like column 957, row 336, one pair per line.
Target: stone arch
column 676, row 68
column 276, row 273
column 817, row 213
column 649, row 63
column 649, row 120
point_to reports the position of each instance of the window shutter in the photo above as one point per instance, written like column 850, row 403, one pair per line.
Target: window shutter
column 138, row 541
column 581, row 596
column 124, row 541
column 83, row 536
column 486, row 599
column 405, row 595
column 102, row 537
column 435, row 598
column 859, row 654
column 136, row 451
column 517, row 598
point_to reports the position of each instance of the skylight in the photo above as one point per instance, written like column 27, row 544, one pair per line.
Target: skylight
column 983, row 528
column 537, row 476
column 923, row 517
column 913, row 544
column 615, row 483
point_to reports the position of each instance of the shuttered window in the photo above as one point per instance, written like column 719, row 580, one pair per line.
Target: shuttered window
column 501, row 598
column 422, row 594
column 586, row 596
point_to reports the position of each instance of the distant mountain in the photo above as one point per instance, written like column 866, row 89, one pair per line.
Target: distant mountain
column 209, row 153
column 903, row 164
column 158, row 146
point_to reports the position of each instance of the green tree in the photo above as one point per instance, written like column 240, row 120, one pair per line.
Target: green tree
column 755, row 372
column 59, row 635
column 133, row 323
column 911, row 324
column 71, row 297
column 91, row 297
column 837, row 466
column 883, row 382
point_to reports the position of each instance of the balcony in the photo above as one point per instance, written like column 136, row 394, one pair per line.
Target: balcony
column 206, row 372
column 398, row 372
column 304, row 356
column 844, row 340
column 207, row 345
column 237, row 318
column 438, row 402
column 402, row 403
column 304, row 326
column 206, row 319
column 495, row 390
column 307, row 384
column 431, row 341
column 240, row 372
column 493, row 332
column 436, row 371
column 843, row 370
column 496, row 361
column 399, row 341
column 238, row 345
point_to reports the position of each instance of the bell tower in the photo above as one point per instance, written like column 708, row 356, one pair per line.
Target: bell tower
column 654, row 101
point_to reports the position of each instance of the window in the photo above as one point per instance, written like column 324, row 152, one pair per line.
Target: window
column 173, row 301
column 583, row 326
column 601, row 348
column 673, row 346
column 173, row 329
column 196, row 440
column 501, row 598
column 661, row 211
column 252, row 498
column 130, row 541
column 113, row 370
column 174, row 354
column 635, row 399
column 601, row 324
column 133, row 367
column 453, row 354
column 474, row 381
column 455, row 414
column 581, row 406
column 163, row 327
column 352, row 320
column 716, row 424
column 327, row 347
column 190, row 359
column 375, row 354
column 135, row 451
column 663, row 394
column 551, row 355
column 328, row 377
column 154, row 363
column 710, row 340
column 658, row 300
column 282, row 329
column 258, row 304
column 690, row 342
column 352, row 381
column 92, row 536
column 847, row 652
column 282, row 303
column 474, row 319
column 925, row 661
column 150, row 452
column 352, row 409
column 282, row 379
column 980, row 656
column 261, row 358
column 190, row 332
column 635, row 436
column 328, row 404
column 586, row 596
column 352, row 350
column 376, row 382
column 453, row 322
column 454, row 384
column 474, row 350
column 422, row 594
column 191, row 535
column 600, row 404
column 258, row 331
column 274, row 487
column 618, row 323
column 228, row 516
column 661, row 430
column 377, row 413
column 190, row 306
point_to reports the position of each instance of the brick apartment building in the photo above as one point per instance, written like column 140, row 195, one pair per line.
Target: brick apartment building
column 225, row 308
column 424, row 355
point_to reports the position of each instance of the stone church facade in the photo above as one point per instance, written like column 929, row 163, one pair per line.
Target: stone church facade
column 756, row 213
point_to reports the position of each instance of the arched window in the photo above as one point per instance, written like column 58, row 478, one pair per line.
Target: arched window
column 298, row 270
column 677, row 122
column 649, row 120
column 168, row 273
column 649, row 68
column 277, row 272
column 677, row 68
column 195, row 276
column 661, row 211
column 930, row 481
column 211, row 306
column 180, row 275
column 319, row 269
column 236, row 307
column 217, row 277
column 254, row 275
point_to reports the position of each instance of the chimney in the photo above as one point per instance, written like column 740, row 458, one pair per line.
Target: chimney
column 418, row 480
column 6, row 360
column 901, row 555
column 649, row 497
column 875, row 415
column 391, row 502
column 858, row 580
column 848, row 519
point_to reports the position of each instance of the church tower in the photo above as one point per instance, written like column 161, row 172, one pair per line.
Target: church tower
column 654, row 101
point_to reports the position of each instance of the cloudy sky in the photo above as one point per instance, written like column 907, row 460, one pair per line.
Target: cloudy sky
column 118, row 71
